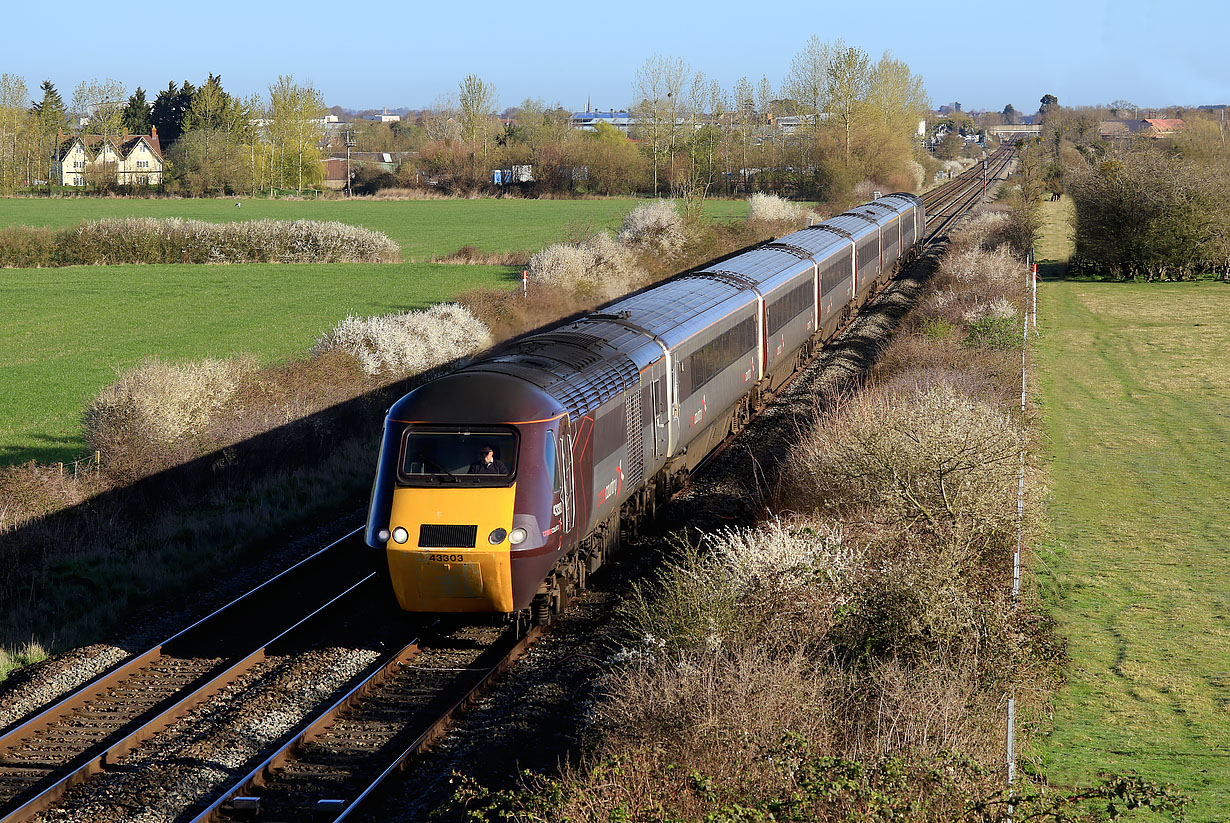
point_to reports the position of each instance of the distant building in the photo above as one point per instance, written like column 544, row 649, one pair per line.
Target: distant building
column 589, row 120
column 137, row 158
column 384, row 117
column 1161, row 126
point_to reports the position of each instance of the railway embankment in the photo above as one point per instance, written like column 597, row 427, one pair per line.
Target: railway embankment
column 835, row 628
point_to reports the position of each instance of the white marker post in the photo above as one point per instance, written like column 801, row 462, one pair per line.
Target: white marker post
column 525, row 284
column 1035, row 309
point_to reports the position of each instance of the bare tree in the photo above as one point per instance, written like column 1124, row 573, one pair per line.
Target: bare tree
column 808, row 82
column 477, row 101
column 13, row 102
column 747, row 118
column 896, row 95
column 295, row 124
column 103, row 102
column 659, row 89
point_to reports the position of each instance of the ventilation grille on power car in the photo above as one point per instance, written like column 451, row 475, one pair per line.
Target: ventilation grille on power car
column 432, row 536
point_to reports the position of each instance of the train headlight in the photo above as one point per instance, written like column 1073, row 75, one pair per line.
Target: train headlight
column 400, row 535
column 496, row 537
column 517, row 536
column 383, row 535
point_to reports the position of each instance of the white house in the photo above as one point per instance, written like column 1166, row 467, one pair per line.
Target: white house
column 137, row 158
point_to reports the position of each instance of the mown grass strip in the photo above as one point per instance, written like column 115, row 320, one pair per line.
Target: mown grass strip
column 1136, row 390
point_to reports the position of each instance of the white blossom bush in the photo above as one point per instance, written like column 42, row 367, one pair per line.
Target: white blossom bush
column 986, row 231
column 406, row 343
column 598, row 268
column 160, row 403
column 777, row 556
column 655, row 226
column 769, row 208
column 974, row 265
column 177, row 240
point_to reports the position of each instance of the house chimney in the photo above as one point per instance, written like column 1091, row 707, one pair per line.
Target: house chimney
column 153, row 131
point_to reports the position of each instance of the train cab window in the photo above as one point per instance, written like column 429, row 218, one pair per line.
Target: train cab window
column 435, row 457
column 549, row 460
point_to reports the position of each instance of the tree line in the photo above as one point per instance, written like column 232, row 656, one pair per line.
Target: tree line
column 839, row 118
column 1145, row 206
column 212, row 141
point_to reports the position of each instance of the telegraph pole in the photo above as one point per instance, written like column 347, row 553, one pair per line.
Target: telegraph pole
column 350, row 142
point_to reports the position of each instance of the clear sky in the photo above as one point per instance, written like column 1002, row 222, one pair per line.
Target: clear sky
column 368, row 55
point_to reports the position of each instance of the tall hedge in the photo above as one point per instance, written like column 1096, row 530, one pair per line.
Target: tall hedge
column 1150, row 214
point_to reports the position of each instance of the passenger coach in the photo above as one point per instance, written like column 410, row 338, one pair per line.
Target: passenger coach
column 499, row 487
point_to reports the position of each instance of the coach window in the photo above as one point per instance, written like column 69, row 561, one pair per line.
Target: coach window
column 550, row 459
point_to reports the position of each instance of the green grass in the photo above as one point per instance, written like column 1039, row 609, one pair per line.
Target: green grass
column 64, row 333
column 1136, row 391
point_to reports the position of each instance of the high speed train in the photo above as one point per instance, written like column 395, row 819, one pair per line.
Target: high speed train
column 502, row 485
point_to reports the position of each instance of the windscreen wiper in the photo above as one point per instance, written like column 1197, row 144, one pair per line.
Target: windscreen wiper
column 434, row 465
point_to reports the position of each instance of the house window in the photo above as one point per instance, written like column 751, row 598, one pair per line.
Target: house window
column 77, row 180
column 143, row 164
column 77, row 164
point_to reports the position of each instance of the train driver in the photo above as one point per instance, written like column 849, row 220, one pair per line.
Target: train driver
column 487, row 463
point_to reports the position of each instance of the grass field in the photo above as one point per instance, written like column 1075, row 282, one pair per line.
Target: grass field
column 66, row 332
column 1136, row 389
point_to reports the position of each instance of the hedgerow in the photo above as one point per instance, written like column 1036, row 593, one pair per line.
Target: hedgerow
column 176, row 240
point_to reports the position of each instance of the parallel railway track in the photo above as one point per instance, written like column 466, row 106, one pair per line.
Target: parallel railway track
column 334, row 760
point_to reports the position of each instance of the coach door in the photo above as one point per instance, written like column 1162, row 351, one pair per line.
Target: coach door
column 567, row 474
column 661, row 414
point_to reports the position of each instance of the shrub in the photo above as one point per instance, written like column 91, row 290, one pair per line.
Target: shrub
column 655, row 226
column 159, row 403
column 405, row 343
column 937, row 457
column 27, row 247
column 769, row 208
column 597, row 268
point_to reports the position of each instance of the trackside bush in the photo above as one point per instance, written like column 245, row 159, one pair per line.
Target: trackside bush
column 598, row 268
column 937, row 457
column 769, row 208
column 655, row 226
column 175, row 240
column 405, row 343
column 158, row 404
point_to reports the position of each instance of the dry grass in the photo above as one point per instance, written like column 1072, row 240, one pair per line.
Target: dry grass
column 471, row 256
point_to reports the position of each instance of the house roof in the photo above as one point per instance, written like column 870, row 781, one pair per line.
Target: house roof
column 123, row 145
column 1161, row 124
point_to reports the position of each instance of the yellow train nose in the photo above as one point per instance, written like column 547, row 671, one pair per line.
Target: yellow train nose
column 455, row 557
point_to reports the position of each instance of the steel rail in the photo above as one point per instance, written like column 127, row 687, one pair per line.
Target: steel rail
column 244, row 795
column 127, row 736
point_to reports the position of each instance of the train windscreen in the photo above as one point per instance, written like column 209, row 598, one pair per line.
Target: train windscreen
column 472, row 458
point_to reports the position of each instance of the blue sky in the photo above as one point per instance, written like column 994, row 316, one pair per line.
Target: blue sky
column 370, row 55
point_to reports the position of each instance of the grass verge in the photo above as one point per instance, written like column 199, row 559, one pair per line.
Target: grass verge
column 1137, row 404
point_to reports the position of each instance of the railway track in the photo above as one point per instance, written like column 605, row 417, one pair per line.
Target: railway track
column 344, row 754
column 80, row 734
column 336, row 759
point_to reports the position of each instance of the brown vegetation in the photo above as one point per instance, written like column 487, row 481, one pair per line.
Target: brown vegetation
column 848, row 660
